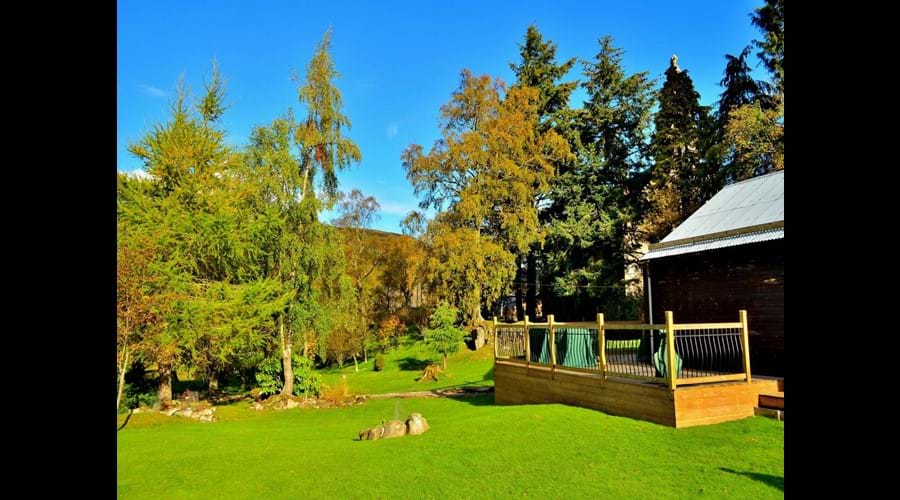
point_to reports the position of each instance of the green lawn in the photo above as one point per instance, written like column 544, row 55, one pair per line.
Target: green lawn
column 473, row 450
column 405, row 363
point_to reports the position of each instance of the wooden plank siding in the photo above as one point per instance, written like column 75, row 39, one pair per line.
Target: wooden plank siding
column 514, row 383
column 711, row 286
column 715, row 403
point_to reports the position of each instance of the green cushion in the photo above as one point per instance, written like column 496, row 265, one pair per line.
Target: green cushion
column 661, row 362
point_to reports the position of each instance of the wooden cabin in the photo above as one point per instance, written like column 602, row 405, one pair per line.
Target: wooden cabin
column 728, row 255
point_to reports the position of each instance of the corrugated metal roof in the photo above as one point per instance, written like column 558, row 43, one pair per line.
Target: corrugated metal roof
column 743, row 204
column 730, row 241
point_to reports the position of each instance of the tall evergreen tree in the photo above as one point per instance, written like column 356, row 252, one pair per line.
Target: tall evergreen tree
column 538, row 69
column 740, row 88
column 678, row 174
column 740, row 91
column 770, row 20
column 592, row 231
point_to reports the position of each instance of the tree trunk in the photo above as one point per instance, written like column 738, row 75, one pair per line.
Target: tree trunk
column 520, row 299
column 214, row 381
column 365, row 354
column 355, row 364
column 122, row 369
column 165, row 384
column 287, row 366
column 445, row 361
column 531, row 291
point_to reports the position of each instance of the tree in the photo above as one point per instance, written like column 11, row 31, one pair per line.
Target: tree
column 296, row 249
column 323, row 147
column 364, row 256
column 597, row 200
column 538, row 69
column 444, row 337
column 751, row 144
column 185, row 207
column 756, row 137
column 678, row 175
column 136, row 310
column 740, row 88
column 770, row 20
column 486, row 169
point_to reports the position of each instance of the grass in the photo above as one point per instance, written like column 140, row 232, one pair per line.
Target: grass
column 405, row 363
column 473, row 450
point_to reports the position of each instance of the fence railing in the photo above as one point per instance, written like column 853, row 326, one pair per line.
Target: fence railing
column 704, row 352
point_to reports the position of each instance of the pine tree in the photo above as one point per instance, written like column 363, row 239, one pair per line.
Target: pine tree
column 678, row 174
column 770, row 20
column 538, row 69
column 591, row 234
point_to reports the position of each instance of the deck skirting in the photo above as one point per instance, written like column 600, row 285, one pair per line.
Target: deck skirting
column 685, row 407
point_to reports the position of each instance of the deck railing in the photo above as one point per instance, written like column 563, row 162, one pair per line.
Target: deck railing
column 704, row 352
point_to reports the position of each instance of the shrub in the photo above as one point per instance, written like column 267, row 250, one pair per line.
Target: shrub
column 270, row 379
column 133, row 397
column 388, row 331
column 444, row 337
column 379, row 362
column 338, row 393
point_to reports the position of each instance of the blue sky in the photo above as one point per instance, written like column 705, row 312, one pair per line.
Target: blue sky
column 399, row 61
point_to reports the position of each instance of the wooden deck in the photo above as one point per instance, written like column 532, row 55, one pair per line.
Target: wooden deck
column 686, row 406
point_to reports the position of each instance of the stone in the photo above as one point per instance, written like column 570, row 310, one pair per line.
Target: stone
column 375, row 433
column 172, row 412
column 187, row 412
column 394, row 428
column 291, row 404
column 479, row 337
column 416, row 424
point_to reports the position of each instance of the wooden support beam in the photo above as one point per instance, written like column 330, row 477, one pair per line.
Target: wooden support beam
column 552, row 344
column 745, row 340
column 496, row 339
column 527, row 344
column 601, row 342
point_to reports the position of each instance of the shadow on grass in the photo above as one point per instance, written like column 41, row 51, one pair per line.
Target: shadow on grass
column 412, row 364
column 486, row 399
column 768, row 479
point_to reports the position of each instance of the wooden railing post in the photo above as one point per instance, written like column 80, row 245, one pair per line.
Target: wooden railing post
column 527, row 344
column 552, row 345
column 601, row 343
column 670, row 350
column 745, row 340
column 496, row 339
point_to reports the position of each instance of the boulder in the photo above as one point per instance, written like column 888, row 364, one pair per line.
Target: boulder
column 374, row 433
column 416, row 424
column 478, row 337
column 394, row 428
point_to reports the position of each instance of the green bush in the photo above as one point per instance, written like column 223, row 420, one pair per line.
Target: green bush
column 133, row 397
column 270, row 380
column 379, row 362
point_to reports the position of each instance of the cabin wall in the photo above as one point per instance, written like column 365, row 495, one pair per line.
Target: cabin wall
column 712, row 286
